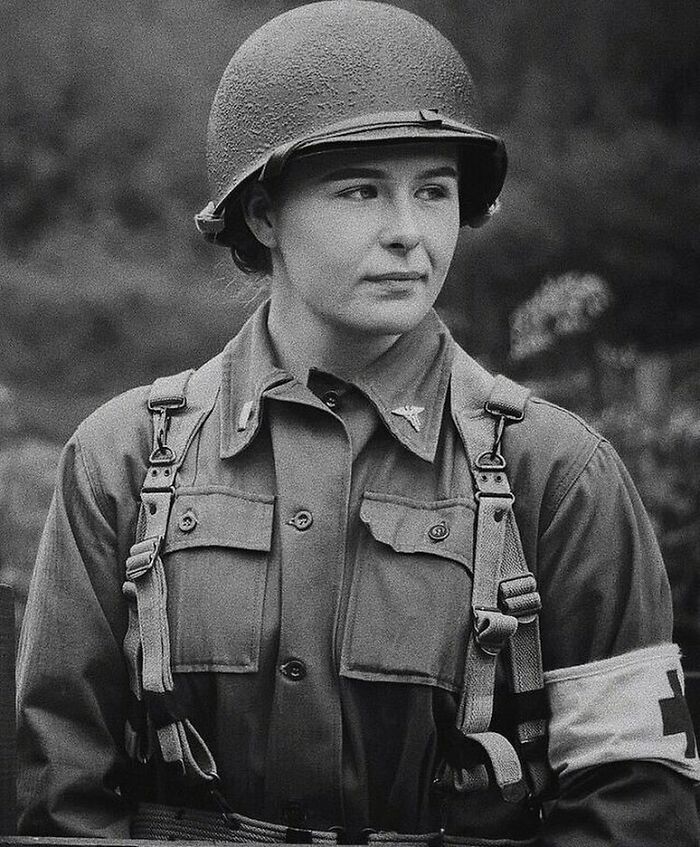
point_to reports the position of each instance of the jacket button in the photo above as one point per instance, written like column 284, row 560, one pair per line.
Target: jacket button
column 294, row 669
column 188, row 521
column 302, row 520
column 331, row 399
column 439, row 531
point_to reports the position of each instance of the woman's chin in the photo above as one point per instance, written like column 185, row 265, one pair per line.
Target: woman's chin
column 388, row 316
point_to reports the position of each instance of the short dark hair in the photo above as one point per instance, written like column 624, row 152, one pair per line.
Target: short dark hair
column 247, row 252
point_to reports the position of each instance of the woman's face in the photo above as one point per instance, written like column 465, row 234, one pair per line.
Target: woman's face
column 362, row 238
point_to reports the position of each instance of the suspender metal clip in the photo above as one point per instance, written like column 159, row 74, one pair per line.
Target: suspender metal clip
column 494, row 459
column 164, row 407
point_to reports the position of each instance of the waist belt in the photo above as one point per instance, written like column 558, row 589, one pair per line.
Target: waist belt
column 172, row 823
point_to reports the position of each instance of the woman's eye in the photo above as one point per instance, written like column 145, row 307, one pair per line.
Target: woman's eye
column 433, row 192
column 359, row 192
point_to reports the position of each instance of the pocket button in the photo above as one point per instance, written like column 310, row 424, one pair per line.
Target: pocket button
column 331, row 399
column 294, row 670
column 302, row 520
column 439, row 531
column 187, row 522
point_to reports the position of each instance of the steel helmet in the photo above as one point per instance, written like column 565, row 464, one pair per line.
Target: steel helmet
column 343, row 72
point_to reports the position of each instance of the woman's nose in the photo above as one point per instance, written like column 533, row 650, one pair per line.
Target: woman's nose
column 400, row 231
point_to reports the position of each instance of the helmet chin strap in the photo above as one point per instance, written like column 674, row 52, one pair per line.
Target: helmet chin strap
column 209, row 223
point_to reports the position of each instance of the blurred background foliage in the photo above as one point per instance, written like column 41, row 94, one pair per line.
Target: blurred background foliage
column 585, row 285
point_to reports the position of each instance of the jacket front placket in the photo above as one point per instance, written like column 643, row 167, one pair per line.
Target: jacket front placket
column 313, row 464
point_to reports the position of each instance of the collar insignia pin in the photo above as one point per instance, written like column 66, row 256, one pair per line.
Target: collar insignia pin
column 411, row 414
column 244, row 417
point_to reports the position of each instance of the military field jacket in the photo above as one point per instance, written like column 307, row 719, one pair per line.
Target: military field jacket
column 317, row 629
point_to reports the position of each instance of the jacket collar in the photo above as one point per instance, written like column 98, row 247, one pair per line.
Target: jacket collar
column 407, row 384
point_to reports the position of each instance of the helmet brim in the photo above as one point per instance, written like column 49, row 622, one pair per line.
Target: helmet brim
column 483, row 159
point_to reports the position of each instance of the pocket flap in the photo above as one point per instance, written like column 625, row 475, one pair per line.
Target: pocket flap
column 219, row 518
column 442, row 528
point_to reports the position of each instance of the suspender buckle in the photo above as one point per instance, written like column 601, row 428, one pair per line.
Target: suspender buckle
column 492, row 629
column 161, row 454
column 490, row 461
column 498, row 410
column 519, row 597
column 170, row 404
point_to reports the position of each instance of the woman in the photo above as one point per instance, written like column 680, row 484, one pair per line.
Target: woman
column 304, row 619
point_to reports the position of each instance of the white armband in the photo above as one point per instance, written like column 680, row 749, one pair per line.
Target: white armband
column 629, row 707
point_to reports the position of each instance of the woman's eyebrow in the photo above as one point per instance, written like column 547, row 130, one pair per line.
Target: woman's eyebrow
column 353, row 173
column 376, row 173
column 445, row 170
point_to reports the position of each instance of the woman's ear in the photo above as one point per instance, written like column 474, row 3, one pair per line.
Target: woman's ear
column 258, row 213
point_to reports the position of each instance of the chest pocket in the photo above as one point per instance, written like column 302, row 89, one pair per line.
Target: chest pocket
column 215, row 557
column 408, row 612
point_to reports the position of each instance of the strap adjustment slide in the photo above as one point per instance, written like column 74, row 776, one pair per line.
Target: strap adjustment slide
column 143, row 557
column 519, row 597
column 492, row 629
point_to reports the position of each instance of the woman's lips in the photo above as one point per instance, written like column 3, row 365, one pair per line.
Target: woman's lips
column 394, row 276
column 396, row 284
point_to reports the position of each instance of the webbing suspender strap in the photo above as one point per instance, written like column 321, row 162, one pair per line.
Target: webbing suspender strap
column 505, row 602
column 179, row 406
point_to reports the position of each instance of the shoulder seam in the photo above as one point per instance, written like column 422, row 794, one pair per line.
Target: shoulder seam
column 96, row 492
column 540, row 401
column 573, row 475
column 578, row 463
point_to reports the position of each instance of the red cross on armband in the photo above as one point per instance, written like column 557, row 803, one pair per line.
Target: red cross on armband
column 606, row 710
column 675, row 715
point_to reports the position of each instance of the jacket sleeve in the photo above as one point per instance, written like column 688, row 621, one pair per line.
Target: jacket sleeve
column 621, row 733
column 638, row 804
column 72, row 683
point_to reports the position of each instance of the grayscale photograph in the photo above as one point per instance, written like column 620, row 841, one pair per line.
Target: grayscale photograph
column 350, row 423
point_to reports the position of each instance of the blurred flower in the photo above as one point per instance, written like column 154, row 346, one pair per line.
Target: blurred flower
column 562, row 306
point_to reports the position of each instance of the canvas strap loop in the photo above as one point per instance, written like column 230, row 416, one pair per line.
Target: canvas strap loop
column 492, row 629
column 143, row 555
column 503, row 767
column 181, row 745
column 519, row 597
column 493, row 760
